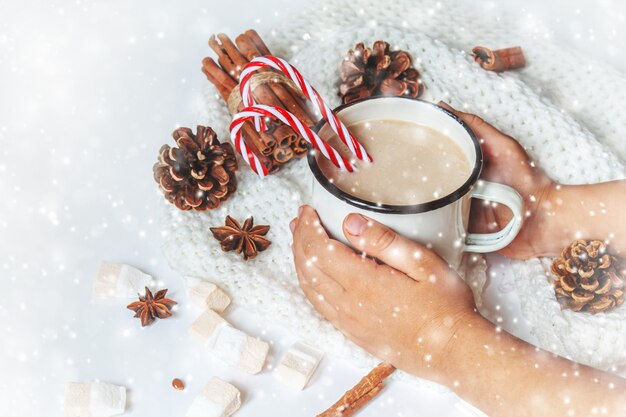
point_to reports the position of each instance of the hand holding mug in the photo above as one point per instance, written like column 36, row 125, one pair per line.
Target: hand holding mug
column 505, row 161
column 404, row 311
column 415, row 313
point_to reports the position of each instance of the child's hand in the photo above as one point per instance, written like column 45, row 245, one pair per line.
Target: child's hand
column 406, row 311
column 506, row 162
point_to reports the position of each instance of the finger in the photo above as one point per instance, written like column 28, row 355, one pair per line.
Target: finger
column 319, row 301
column 484, row 218
column 308, row 226
column 311, row 277
column 336, row 260
column 294, row 221
column 383, row 243
column 305, row 259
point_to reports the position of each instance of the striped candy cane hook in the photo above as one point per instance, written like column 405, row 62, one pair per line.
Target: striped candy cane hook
column 261, row 110
column 318, row 103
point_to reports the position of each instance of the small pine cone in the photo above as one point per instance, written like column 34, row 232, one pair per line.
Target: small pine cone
column 588, row 278
column 198, row 174
column 369, row 72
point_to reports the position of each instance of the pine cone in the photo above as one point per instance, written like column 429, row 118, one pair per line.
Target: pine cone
column 369, row 72
column 199, row 173
column 588, row 278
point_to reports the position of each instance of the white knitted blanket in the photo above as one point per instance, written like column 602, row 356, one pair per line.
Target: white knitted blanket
column 568, row 114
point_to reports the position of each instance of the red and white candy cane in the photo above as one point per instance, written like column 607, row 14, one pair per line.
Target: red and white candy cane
column 294, row 75
column 261, row 110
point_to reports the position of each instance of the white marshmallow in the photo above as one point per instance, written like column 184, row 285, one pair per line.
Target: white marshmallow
column 229, row 344
column 205, row 294
column 119, row 280
column 237, row 349
column 217, row 399
column 94, row 399
column 207, row 327
column 298, row 365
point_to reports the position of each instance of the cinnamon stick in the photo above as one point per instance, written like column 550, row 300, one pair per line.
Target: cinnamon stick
column 248, row 48
column 257, row 41
column 361, row 393
column 234, row 62
column 300, row 148
column 274, row 92
column 253, row 139
column 224, row 85
column 269, row 140
column 499, row 60
column 283, row 154
column 252, row 46
column 285, row 136
column 218, row 77
column 227, row 55
column 361, row 402
column 262, row 49
column 293, row 103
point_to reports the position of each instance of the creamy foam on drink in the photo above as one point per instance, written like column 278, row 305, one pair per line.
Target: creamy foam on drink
column 412, row 163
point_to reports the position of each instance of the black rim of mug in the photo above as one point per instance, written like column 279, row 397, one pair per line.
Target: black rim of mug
column 392, row 208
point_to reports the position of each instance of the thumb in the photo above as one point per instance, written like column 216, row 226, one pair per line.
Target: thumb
column 391, row 248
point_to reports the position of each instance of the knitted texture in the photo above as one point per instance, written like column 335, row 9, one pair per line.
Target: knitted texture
column 574, row 137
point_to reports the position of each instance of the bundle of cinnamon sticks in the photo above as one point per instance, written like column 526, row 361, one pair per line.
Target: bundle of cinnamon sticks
column 279, row 143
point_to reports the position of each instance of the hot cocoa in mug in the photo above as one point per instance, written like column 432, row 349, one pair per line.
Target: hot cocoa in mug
column 425, row 171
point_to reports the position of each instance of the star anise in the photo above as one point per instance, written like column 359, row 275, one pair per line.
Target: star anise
column 150, row 307
column 246, row 238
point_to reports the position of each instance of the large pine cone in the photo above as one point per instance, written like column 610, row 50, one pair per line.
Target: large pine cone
column 199, row 173
column 369, row 72
column 588, row 278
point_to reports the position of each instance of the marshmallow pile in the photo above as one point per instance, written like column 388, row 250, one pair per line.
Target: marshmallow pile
column 94, row 399
column 229, row 344
column 240, row 350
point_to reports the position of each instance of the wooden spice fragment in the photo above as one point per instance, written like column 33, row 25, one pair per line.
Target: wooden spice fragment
column 178, row 384
column 359, row 395
column 500, row 59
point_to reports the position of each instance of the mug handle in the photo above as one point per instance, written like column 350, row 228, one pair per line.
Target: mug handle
column 491, row 242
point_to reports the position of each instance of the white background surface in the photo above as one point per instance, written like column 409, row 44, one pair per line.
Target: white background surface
column 88, row 93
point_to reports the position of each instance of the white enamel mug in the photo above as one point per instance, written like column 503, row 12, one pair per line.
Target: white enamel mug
column 440, row 224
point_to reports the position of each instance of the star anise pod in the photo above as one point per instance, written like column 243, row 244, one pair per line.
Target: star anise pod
column 248, row 239
column 150, row 307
